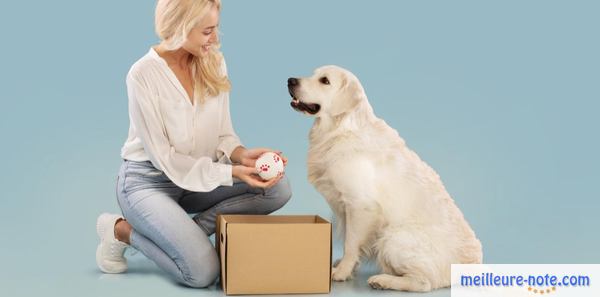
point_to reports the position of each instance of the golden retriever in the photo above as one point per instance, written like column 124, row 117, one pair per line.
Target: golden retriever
column 389, row 203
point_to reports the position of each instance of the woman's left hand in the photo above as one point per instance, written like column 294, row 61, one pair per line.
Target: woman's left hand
column 249, row 156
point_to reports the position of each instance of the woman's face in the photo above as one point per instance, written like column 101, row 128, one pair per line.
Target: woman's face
column 203, row 35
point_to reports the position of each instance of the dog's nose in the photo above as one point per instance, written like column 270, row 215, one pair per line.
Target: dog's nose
column 292, row 81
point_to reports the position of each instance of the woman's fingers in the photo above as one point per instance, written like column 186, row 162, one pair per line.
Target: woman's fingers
column 273, row 181
column 252, row 178
column 256, row 152
column 283, row 158
column 256, row 181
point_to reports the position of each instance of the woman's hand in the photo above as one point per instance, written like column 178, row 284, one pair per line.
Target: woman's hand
column 250, row 176
column 248, row 157
column 247, row 170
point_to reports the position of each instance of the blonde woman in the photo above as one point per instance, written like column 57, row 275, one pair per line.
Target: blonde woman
column 182, row 155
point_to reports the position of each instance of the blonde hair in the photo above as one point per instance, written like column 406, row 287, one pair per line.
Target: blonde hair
column 174, row 19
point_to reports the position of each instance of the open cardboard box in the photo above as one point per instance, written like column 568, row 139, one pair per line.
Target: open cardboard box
column 264, row 254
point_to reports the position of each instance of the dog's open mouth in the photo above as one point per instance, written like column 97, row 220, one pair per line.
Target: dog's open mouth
column 308, row 107
column 311, row 108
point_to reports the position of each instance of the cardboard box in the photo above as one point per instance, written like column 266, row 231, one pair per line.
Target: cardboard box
column 263, row 254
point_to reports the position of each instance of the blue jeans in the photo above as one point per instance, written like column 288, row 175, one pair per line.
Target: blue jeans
column 163, row 230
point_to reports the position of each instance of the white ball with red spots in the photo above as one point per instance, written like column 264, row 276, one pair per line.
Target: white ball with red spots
column 269, row 165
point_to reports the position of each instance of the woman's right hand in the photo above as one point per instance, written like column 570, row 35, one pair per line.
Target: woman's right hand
column 250, row 176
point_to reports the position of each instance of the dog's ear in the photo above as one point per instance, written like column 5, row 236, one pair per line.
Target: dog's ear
column 352, row 94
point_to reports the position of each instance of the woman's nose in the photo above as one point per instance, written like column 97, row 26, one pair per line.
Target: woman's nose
column 213, row 36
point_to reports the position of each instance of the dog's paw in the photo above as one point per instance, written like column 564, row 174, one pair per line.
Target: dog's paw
column 339, row 275
column 380, row 281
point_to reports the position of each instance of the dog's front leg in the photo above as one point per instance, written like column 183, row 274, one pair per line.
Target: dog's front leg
column 360, row 219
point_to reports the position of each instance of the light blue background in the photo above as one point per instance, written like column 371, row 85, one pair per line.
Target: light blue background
column 502, row 99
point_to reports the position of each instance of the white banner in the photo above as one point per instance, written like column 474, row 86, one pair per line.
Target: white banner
column 531, row 280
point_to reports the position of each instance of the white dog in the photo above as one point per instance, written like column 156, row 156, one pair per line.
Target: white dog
column 389, row 203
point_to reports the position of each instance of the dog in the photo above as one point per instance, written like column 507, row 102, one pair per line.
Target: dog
column 389, row 204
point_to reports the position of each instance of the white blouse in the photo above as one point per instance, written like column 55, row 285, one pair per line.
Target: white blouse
column 190, row 143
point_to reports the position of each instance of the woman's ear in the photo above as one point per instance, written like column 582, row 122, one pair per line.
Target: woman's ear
column 349, row 96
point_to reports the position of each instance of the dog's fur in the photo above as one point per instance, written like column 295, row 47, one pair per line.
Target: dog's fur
column 391, row 205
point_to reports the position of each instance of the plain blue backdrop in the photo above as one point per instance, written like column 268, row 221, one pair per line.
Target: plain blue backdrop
column 500, row 98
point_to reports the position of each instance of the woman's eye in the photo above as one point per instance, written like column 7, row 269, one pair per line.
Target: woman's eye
column 207, row 32
column 324, row 80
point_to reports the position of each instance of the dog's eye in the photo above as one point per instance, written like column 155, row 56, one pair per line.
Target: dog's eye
column 324, row 80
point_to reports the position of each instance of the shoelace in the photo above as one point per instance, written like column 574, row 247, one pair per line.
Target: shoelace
column 116, row 249
column 119, row 250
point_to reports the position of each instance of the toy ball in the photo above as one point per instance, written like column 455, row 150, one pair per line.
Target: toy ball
column 269, row 165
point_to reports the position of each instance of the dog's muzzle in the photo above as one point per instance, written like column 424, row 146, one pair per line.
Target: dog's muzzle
column 297, row 104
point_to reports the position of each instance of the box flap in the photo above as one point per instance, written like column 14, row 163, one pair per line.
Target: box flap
column 320, row 220
column 274, row 219
column 221, row 246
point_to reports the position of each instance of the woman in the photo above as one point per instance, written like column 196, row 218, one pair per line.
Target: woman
column 179, row 153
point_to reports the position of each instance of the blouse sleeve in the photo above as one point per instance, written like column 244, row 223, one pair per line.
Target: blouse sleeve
column 228, row 139
column 194, row 174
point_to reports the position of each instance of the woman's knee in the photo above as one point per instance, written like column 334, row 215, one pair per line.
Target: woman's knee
column 203, row 271
column 279, row 194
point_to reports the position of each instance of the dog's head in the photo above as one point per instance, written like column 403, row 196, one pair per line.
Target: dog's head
column 330, row 91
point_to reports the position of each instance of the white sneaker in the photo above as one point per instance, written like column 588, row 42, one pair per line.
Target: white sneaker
column 109, row 254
